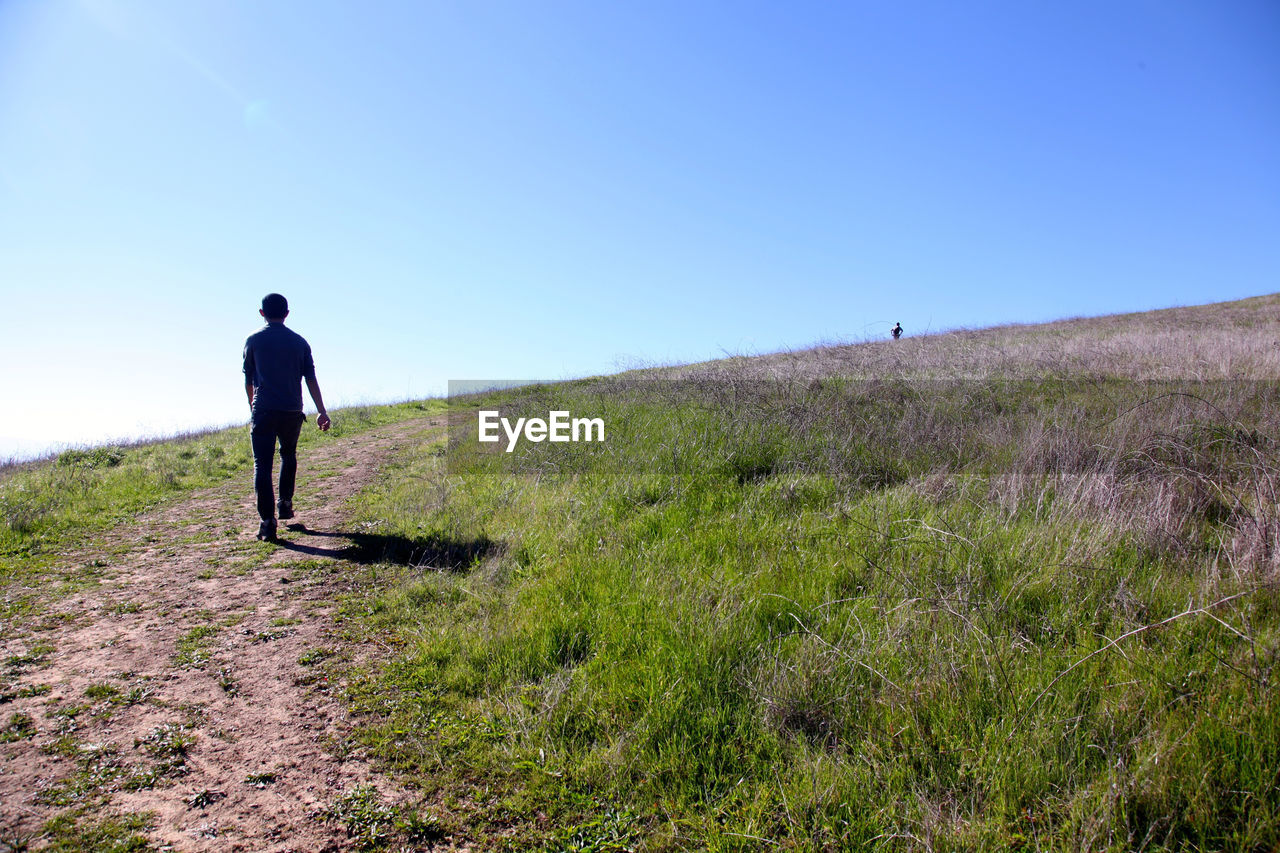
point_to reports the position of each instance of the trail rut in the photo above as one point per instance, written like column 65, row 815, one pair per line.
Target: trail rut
column 189, row 683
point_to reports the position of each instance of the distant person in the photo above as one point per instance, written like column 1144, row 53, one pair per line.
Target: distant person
column 276, row 360
column 896, row 331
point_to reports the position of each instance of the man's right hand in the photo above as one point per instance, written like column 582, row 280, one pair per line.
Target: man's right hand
column 322, row 421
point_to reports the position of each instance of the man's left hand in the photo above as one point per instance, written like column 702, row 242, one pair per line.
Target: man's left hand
column 323, row 422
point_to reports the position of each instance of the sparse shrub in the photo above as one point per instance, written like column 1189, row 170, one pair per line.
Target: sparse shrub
column 92, row 458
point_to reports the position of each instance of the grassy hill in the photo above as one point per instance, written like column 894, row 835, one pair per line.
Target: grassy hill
column 1013, row 588
column 1010, row 588
column 1227, row 340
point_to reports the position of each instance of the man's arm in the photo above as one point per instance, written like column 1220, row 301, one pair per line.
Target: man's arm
column 322, row 419
column 250, row 367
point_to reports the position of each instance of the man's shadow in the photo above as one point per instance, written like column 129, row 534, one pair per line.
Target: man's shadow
column 437, row 552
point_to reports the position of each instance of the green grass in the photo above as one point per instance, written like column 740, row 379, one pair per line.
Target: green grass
column 314, row 656
column 120, row 834
column 21, row 726
column 371, row 824
column 168, row 742
column 947, row 615
column 261, row 780
column 25, row 692
column 1036, row 611
column 193, row 646
column 102, row 692
column 34, row 655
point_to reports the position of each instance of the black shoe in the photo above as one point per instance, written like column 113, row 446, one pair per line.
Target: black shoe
column 267, row 531
column 285, row 509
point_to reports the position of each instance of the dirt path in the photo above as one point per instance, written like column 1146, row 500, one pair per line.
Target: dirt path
column 189, row 685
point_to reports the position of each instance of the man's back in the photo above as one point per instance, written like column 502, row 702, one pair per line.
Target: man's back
column 276, row 360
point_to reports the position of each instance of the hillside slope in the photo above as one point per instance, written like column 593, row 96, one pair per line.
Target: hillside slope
column 1015, row 588
column 1226, row 340
column 1005, row 589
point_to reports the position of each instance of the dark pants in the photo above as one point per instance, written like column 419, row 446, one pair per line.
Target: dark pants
column 268, row 428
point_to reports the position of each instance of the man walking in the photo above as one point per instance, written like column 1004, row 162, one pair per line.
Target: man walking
column 276, row 360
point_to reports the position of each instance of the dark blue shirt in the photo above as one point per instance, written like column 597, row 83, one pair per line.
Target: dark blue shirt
column 276, row 360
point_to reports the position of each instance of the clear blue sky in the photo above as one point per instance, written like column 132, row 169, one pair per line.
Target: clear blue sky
column 548, row 189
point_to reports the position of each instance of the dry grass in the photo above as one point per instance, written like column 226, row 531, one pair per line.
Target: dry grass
column 1231, row 340
column 1175, row 436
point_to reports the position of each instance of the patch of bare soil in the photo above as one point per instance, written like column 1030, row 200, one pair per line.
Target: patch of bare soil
column 190, row 683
